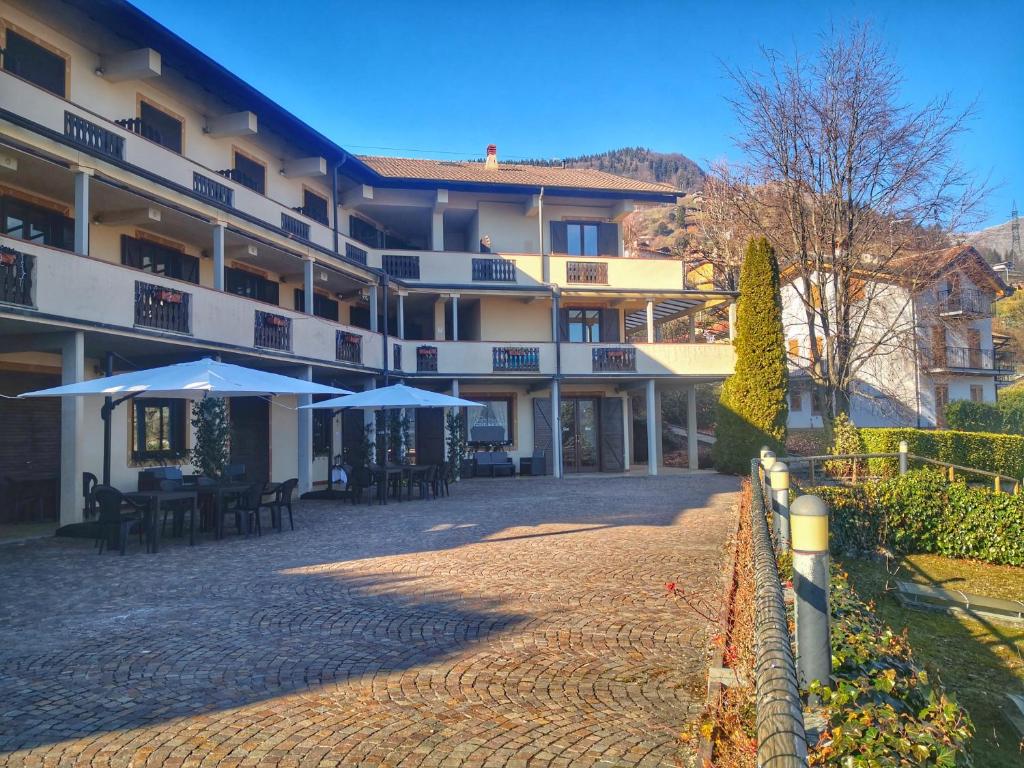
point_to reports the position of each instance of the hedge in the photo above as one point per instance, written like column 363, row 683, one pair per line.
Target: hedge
column 979, row 450
column 969, row 416
column 922, row 512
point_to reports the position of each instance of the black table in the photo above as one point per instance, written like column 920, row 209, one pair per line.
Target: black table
column 220, row 493
column 156, row 499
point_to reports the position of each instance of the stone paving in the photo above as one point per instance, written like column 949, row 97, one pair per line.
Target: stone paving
column 517, row 623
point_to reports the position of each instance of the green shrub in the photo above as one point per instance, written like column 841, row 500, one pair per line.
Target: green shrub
column 752, row 409
column 881, row 708
column 1011, row 410
column 979, row 450
column 968, row 416
column 922, row 512
column 846, row 439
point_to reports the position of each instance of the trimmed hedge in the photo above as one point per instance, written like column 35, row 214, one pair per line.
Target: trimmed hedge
column 923, row 512
column 968, row 416
column 979, row 450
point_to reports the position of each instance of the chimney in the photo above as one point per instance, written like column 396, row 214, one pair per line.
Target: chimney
column 492, row 157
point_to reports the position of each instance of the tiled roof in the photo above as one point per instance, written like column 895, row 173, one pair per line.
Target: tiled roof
column 524, row 175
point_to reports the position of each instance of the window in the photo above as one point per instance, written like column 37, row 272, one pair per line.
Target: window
column 364, row 232
column 941, row 401
column 816, row 296
column 254, row 286
column 977, row 393
column 160, row 127
column 159, row 429
column 34, row 63
column 796, row 397
column 585, row 238
column 158, row 259
column 322, row 419
column 794, row 348
column 817, row 401
column 857, row 290
column 491, row 424
column 250, row 173
column 322, row 306
column 36, row 224
column 314, row 206
column 582, row 239
column 584, row 325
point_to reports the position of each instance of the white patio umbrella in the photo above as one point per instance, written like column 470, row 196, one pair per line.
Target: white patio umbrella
column 190, row 381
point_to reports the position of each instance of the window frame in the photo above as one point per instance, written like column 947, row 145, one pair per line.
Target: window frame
column 980, row 390
column 7, row 27
column 796, row 397
column 592, row 327
column 940, row 411
column 54, row 221
column 506, row 397
column 170, row 255
column 237, row 152
column 309, row 191
column 233, row 272
column 176, row 428
column 140, row 99
column 581, row 224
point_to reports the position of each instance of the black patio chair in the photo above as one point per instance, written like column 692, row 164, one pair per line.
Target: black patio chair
column 282, row 500
column 89, row 483
column 502, row 465
column 177, row 511
column 113, row 519
column 245, row 507
column 361, row 479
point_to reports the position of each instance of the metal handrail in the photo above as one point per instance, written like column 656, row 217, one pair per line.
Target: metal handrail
column 781, row 740
column 812, row 460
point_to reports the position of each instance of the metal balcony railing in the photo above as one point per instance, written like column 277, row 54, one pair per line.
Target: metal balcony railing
column 293, row 226
column 316, row 214
column 213, row 190
column 93, row 136
column 496, row 270
column 256, row 185
column 426, row 359
column 141, row 128
column 969, row 359
column 16, row 272
column 964, row 301
column 614, row 359
column 402, row 266
column 349, row 347
column 355, row 254
column 515, row 358
column 594, row 272
column 162, row 308
column 272, row 331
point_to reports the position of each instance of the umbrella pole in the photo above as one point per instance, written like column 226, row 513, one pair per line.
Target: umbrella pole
column 108, row 406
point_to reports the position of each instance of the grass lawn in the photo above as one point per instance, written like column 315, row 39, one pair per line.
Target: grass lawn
column 980, row 661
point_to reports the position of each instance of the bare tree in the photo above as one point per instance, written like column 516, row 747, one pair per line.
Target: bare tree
column 845, row 181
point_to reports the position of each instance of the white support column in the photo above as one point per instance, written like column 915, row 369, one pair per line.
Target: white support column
column 82, row 215
column 650, row 322
column 691, row 427
column 455, row 317
column 732, row 321
column 437, row 230
column 652, row 429
column 693, row 329
column 72, row 435
column 373, row 308
column 401, row 315
column 369, row 416
column 556, row 429
column 627, row 437
column 305, row 434
column 659, row 419
column 307, row 286
column 218, row 254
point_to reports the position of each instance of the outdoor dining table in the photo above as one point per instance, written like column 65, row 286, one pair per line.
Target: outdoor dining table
column 220, row 493
column 154, row 499
column 383, row 476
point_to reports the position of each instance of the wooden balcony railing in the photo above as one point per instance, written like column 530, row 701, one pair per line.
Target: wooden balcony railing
column 293, row 226
column 272, row 331
column 162, row 308
column 355, row 254
column 92, row 136
column 16, row 273
column 496, row 270
column 349, row 347
column 593, row 272
column 614, row 359
column 213, row 190
column 516, row 358
column 426, row 359
column 964, row 301
column 402, row 266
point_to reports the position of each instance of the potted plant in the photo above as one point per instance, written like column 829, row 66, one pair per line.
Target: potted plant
column 212, row 449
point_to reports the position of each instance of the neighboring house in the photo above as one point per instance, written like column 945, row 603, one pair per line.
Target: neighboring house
column 157, row 209
column 931, row 321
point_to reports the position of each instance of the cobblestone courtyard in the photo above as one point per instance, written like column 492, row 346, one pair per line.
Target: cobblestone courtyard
column 517, row 623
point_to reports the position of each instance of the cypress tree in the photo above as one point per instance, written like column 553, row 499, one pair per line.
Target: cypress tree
column 752, row 409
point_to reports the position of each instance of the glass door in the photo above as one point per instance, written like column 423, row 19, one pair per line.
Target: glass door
column 580, row 433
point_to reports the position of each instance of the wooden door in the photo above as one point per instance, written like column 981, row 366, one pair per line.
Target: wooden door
column 250, row 436
column 30, row 449
column 430, row 447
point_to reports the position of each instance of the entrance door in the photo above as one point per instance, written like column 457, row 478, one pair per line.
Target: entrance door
column 580, row 447
column 430, row 447
column 250, row 436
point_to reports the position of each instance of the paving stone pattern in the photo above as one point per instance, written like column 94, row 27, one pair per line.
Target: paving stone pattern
column 517, row 623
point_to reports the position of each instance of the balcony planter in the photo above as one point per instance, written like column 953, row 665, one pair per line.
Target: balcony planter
column 275, row 320
column 171, row 297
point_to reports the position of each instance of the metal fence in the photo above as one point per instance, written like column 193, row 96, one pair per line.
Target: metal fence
column 781, row 741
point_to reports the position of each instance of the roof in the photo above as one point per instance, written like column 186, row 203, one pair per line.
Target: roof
column 507, row 174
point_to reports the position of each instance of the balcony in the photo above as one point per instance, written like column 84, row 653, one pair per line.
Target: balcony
column 293, row 226
column 16, row 270
column 164, row 309
column 515, row 358
column 426, row 359
column 402, row 266
column 707, row 361
column 213, row 190
column 964, row 303
column 968, row 360
column 494, row 270
column 349, row 347
column 614, row 359
column 586, row 272
column 93, row 136
column 272, row 331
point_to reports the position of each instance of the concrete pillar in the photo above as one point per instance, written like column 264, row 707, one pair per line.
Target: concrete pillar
column 693, row 329
column 218, row 254
column 652, row 429
column 72, row 435
column 401, row 316
column 650, row 322
column 659, row 419
column 368, row 416
column 455, row 317
column 307, row 286
column 732, row 321
column 556, row 429
column 82, row 210
column 305, row 418
column 627, row 428
column 373, row 308
column 437, row 231
column 691, row 427
column 439, row 309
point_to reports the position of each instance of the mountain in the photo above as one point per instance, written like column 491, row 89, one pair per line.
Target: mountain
column 638, row 163
column 994, row 242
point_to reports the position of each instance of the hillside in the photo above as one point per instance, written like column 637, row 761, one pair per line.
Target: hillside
column 638, row 163
column 993, row 242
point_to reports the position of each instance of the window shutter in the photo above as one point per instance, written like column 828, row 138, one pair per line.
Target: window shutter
column 610, row 325
column 542, row 428
column 559, row 237
column 608, row 239
column 563, row 324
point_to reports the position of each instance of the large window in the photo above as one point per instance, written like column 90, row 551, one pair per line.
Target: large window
column 36, row 224
column 493, row 423
column 33, row 62
column 581, row 239
column 941, row 401
column 585, row 238
column 363, row 231
column 322, row 305
column 160, row 127
column 252, row 285
column 314, row 206
column 158, row 259
column 584, row 325
column 250, row 173
column 158, row 431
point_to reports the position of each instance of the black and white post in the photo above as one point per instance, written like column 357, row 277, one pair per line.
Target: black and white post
column 779, row 480
column 809, row 528
column 904, row 457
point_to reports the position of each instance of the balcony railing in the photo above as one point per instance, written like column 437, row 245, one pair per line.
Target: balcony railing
column 93, row 136
column 355, row 254
column 593, row 272
column 516, row 358
column 614, row 359
column 162, row 308
column 402, row 266
column 16, row 271
column 965, row 302
column 316, row 214
column 295, row 227
column 256, row 185
column 140, row 127
column 213, row 190
column 496, row 270
column 969, row 359
column 349, row 347
column 426, row 359
column 272, row 331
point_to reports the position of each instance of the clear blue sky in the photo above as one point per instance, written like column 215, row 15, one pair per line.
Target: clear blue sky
column 548, row 78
